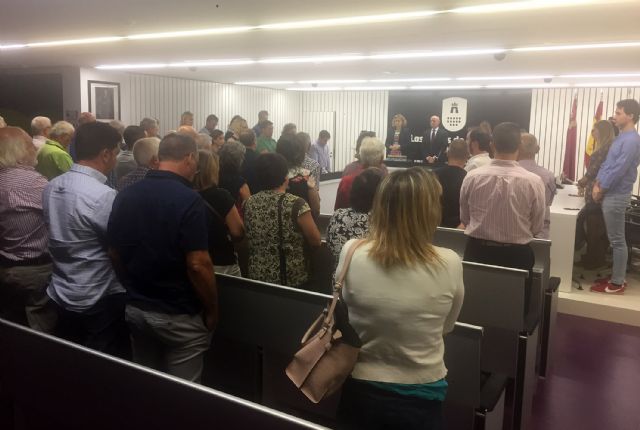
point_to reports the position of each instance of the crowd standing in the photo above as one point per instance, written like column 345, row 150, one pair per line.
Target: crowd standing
column 111, row 235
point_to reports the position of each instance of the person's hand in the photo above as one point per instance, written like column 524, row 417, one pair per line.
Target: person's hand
column 395, row 146
column 311, row 182
column 597, row 193
column 210, row 320
column 431, row 160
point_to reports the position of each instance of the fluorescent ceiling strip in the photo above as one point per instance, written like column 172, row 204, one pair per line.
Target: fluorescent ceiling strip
column 576, row 47
column 314, row 89
column 212, row 63
column 323, row 23
column 532, row 85
column 502, row 78
column 334, row 81
column 314, row 59
column 257, row 83
column 521, row 6
column 132, row 66
column 191, row 33
column 410, row 80
column 353, row 20
column 430, row 54
column 445, row 87
column 599, row 75
column 389, row 88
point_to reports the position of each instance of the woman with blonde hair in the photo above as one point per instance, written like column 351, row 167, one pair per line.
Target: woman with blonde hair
column 237, row 126
column 595, row 234
column 225, row 224
column 403, row 295
column 398, row 136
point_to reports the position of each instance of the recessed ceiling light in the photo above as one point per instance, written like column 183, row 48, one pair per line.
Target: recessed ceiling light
column 502, row 78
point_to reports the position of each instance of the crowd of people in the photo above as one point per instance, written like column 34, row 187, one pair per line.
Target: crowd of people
column 110, row 236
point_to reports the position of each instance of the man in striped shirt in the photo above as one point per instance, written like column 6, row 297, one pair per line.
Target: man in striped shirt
column 25, row 266
column 502, row 206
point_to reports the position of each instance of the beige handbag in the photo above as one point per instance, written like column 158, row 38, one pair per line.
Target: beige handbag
column 329, row 349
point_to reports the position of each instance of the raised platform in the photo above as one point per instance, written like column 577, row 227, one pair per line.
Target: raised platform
column 623, row 309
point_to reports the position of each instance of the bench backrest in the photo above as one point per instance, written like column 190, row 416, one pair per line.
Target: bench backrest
column 57, row 384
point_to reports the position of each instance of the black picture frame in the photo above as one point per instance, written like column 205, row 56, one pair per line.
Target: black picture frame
column 104, row 100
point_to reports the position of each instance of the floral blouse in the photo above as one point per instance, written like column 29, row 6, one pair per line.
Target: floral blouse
column 346, row 224
column 261, row 223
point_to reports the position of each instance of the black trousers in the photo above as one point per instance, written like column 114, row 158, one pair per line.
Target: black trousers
column 363, row 406
column 101, row 327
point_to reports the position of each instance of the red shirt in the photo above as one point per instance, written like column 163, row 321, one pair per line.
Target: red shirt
column 344, row 191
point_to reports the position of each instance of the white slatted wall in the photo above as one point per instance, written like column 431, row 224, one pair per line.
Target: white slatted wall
column 166, row 98
column 354, row 111
column 550, row 111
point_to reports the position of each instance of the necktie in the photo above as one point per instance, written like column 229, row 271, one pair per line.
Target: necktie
column 433, row 134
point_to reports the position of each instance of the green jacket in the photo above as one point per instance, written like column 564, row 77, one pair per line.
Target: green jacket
column 265, row 143
column 53, row 160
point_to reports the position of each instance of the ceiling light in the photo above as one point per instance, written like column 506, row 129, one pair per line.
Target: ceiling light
column 600, row 75
column 75, row 42
column 575, row 47
column 410, row 80
column 502, row 78
column 14, row 46
column 212, row 63
column 388, row 88
column 445, row 87
column 334, row 81
column 531, row 85
column 428, row 54
column 521, row 5
column 352, row 20
column 131, row 66
column 314, row 89
column 314, row 59
column 258, row 83
column 191, row 33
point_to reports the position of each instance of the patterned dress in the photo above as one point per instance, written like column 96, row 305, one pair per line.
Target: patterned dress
column 261, row 223
column 346, row 224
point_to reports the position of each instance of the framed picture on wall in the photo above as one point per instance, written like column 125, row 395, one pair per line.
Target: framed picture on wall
column 104, row 100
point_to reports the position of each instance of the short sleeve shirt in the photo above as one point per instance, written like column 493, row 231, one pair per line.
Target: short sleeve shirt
column 154, row 224
column 220, row 246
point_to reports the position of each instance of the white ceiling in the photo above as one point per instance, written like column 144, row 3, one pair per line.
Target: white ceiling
column 25, row 21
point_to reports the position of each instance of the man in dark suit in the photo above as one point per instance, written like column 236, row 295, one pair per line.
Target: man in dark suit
column 435, row 142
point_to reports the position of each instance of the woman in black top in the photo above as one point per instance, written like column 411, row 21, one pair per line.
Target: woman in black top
column 225, row 224
column 231, row 158
column 398, row 136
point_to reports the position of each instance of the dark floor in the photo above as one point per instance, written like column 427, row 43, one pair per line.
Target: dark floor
column 594, row 382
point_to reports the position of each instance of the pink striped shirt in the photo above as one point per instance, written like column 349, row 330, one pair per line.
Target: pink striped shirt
column 502, row 202
column 23, row 234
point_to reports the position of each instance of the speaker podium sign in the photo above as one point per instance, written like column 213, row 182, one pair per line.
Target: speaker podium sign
column 454, row 113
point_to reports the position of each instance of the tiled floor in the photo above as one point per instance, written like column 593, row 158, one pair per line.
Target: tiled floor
column 594, row 383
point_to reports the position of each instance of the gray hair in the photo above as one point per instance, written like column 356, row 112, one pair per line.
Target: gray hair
column 148, row 123
column 175, row 147
column 39, row 124
column 12, row 147
column 203, row 141
column 145, row 149
column 118, row 125
column 61, row 128
column 231, row 155
column 371, row 151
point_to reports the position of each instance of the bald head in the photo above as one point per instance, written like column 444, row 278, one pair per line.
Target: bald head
column 16, row 147
column 435, row 121
column 528, row 147
column 86, row 118
column 187, row 130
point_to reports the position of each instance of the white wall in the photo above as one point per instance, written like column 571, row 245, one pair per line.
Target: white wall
column 550, row 111
column 354, row 111
column 88, row 74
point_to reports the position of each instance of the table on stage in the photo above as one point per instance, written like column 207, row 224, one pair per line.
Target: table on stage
column 564, row 213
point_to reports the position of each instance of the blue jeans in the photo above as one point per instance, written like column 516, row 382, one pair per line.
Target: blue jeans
column 613, row 210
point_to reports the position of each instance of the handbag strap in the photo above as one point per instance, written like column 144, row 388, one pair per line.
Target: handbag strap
column 337, row 288
column 283, row 259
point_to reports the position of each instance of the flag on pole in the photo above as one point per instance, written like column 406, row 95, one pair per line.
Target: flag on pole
column 569, row 166
column 591, row 143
